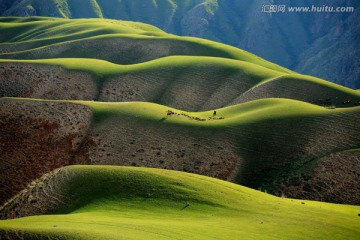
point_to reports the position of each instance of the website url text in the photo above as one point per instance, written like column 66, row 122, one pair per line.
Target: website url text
column 312, row 9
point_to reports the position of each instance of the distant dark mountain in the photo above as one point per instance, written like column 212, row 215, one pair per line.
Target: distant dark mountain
column 325, row 45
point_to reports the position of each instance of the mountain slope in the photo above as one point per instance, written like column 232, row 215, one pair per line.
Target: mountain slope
column 255, row 137
column 119, row 42
column 191, row 83
column 135, row 203
column 186, row 73
column 260, row 144
column 320, row 43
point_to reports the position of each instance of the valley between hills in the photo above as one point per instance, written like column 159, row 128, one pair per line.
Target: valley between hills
column 108, row 126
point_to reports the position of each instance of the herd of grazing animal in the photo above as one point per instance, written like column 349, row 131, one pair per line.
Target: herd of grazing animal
column 172, row 113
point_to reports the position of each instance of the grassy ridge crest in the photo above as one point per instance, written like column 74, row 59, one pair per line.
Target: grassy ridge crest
column 133, row 203
column 64, row 32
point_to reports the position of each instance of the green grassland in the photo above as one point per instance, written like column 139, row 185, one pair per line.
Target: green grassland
column 138, row 203
column 103, row 70
column 271, row 123
column 56, row 29
column 163, row 66
column 237, row 115
column 69, row 38
column 259, row 131
column 193, row 82
column 288, row 40
column 270, row 133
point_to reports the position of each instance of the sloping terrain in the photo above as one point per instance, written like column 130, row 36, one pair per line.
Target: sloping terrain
column 258, row 136
column 322, row 44
column 185, row 73
column 135, row 203
column 323, row 173
column 118, row 42
column 246, row 143
column 188, row 83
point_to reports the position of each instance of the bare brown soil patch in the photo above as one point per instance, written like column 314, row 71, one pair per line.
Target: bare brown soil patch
column 37, row 138
column 46, row 82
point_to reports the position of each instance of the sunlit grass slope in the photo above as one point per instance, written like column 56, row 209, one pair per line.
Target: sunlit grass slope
column 194, row 83
column 103, row 69
column 256, row 111
column 282, row 127
column 259, row 144
column 41, row 28
column 143, row 63
column 39, row 38
column 138, row 203
column 250, row 112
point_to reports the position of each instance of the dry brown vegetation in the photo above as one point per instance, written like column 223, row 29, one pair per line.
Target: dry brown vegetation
column 332, row 178
column 45, row 81
column 39, row 197
column 37, row 137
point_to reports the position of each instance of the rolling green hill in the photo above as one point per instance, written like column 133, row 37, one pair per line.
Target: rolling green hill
column 105, row 92
column 273, row 129
column 143, row 63
column 321, row 44
column 135, row 203
column 272, row 144
column 127, row 47
column 192, row 83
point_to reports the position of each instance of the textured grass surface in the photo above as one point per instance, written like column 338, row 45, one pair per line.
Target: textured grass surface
column 137, row 203
column 259, row 144
column 251, row 112
column 194, row 83
column 286, row 39
column 105, row 69
column 48, row 37
column 153, row 66
column 42, row 28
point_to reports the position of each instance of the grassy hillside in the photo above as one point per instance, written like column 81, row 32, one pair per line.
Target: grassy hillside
column 291, row 39
column 322, row 170
column 186, row 73
column 260, row 144
column 137, row 203
column 143, row 63
column 259, row 137
column 106, row 92
column 53, row 30
column 86, row 40
column 192, row 83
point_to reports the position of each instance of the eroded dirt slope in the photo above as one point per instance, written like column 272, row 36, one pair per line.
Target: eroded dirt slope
column 37, row 137
column 201, row 87
column 45, row 81
column 332, row 178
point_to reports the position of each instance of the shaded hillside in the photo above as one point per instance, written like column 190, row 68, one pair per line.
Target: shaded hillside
column 320, row 174
column 188, row 83
column 260, row 137
column 181, row 72
column 115, row 41
column 260, row 144
column 97, row 202
column 185, row 73
column 325, row 45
